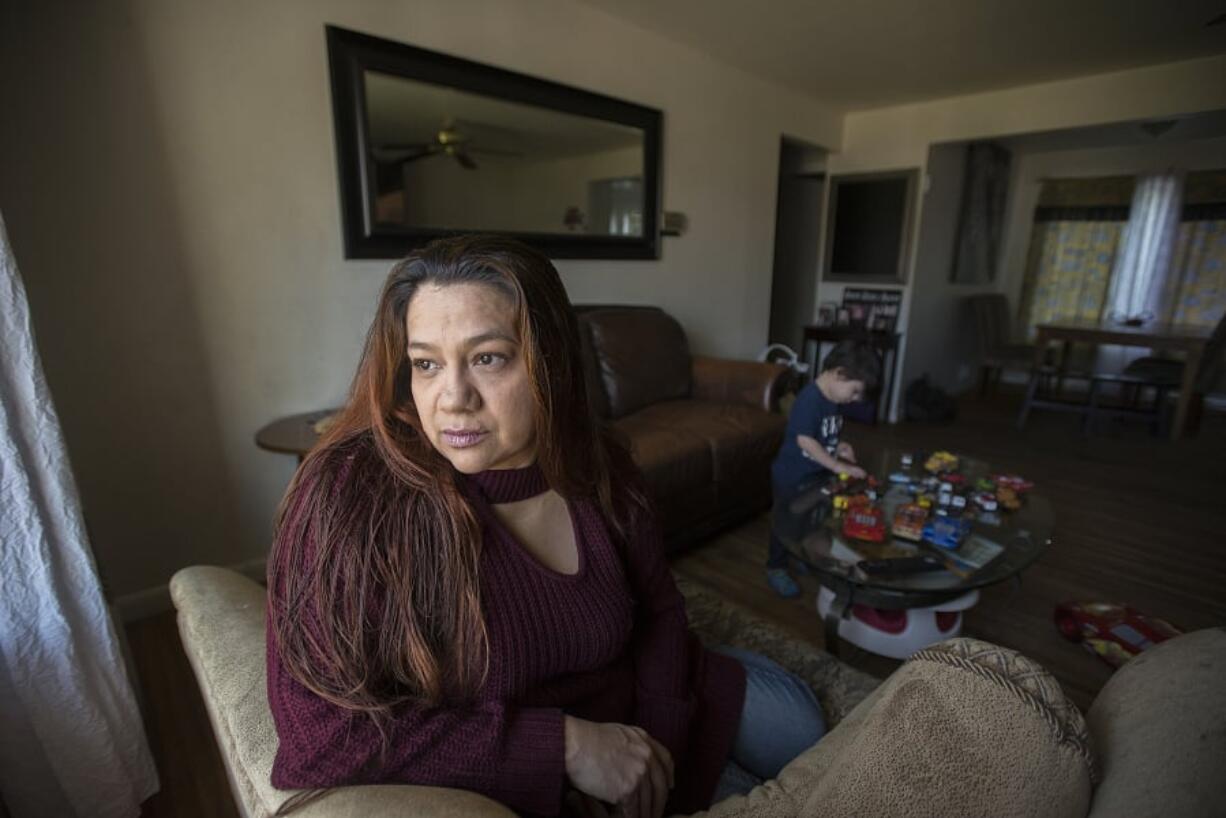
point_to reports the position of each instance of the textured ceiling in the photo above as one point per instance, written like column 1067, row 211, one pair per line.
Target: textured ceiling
column 866, row 53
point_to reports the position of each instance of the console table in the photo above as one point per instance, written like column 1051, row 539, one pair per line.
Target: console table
column 885, row 343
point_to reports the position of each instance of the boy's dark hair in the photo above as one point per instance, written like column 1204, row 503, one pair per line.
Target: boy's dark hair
column 858, row 361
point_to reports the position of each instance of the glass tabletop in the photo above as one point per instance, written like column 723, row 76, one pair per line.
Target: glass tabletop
column 1000, row 544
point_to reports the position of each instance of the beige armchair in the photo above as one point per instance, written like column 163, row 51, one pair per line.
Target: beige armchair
column 963, row 728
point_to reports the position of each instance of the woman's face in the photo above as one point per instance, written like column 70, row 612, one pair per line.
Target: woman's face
column 470, row 381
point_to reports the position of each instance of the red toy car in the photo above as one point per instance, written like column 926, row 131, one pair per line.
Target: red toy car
column 1115, row 633
column 1012, row 481
column 864, row 522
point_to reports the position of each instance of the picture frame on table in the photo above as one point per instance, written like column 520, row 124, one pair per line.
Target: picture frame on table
column 857, row 314
column 827, row 314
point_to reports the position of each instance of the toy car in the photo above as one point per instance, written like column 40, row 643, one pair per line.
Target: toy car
column 905, row 460
column 986, row 500
column 946, row 532
column 955, row 479
column 864, row 522
column 1008, row 498
column 1115, row 633
column 941, row 462
column 840, row 502
column 909, row 521
column 985, row 484
column 900, row 477
column 1013, row 481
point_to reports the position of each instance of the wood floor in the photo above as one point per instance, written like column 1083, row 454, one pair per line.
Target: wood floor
column 1139, row 520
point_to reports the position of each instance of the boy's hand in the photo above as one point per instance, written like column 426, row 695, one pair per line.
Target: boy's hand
column 844, row 451
column 852, row 470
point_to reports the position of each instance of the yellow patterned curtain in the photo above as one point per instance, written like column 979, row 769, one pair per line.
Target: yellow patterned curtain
column 1078, row 229
column 1068, row 270
column 1198, row 275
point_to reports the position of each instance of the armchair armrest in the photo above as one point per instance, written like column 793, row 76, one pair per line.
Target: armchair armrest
column 221, row 624
column 754, row 383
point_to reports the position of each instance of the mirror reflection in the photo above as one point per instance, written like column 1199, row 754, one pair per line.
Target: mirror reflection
column 441, row 158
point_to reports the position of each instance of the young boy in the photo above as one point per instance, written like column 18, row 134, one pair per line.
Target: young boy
column 811, row 449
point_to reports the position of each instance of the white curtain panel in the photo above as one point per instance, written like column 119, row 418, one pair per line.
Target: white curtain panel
column 71, row 738
column 1138, row 282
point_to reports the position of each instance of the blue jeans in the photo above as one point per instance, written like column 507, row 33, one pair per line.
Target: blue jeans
column 780, row 719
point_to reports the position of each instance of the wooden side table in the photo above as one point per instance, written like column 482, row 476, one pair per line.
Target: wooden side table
column 885, row 343
column 294, row 434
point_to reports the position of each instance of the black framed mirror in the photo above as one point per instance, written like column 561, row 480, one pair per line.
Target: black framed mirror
column 430, row 145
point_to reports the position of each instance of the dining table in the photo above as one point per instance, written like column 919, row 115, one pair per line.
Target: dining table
column 1188, row 339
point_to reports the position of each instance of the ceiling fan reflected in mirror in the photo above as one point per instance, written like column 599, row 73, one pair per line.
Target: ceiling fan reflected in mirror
column 452, row 139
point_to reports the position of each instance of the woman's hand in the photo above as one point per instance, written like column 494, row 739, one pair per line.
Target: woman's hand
column 845, row 452
column 620, row 765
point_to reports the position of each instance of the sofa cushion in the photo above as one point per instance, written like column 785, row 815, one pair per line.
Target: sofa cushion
column 641, row 354
column 742, row 439
column 1159, row 726
column 671, row 459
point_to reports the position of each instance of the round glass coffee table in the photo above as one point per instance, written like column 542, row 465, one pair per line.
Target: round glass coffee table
column 999, row 547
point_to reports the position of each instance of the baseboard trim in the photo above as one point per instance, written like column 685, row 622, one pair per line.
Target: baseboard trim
column 156, row 600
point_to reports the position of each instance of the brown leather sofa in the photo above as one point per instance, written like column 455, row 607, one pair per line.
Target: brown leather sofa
column 703, row 430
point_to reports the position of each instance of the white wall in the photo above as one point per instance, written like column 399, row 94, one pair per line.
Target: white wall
column 899, row 137
column 168, row 177
column 945, row 344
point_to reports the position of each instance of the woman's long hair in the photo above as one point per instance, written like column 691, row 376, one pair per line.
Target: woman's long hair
column 373, row 577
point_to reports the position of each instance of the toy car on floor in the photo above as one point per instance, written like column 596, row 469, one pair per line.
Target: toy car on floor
column 864, row 522
column 909, row 521
column 1115, row 633
column 947, row 532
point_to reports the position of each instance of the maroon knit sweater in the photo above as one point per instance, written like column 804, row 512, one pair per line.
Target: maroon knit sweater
column 609, row 644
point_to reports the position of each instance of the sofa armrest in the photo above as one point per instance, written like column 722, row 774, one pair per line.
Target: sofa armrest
column 755, row 383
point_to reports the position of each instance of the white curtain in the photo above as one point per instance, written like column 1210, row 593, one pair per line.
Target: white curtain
column 71, row 738
column 1138, row 282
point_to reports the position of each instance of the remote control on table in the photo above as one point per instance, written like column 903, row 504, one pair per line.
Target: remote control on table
column 900, row 567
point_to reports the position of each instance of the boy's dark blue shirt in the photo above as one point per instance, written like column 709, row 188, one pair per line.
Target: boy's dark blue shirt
column 813, row 415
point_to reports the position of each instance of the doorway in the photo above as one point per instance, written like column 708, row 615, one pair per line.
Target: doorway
column 798, row 220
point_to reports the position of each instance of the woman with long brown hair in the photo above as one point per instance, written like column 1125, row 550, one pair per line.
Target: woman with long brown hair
column 467, row 586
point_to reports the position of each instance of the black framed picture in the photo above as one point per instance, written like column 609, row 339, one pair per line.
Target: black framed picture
column 873, row 309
